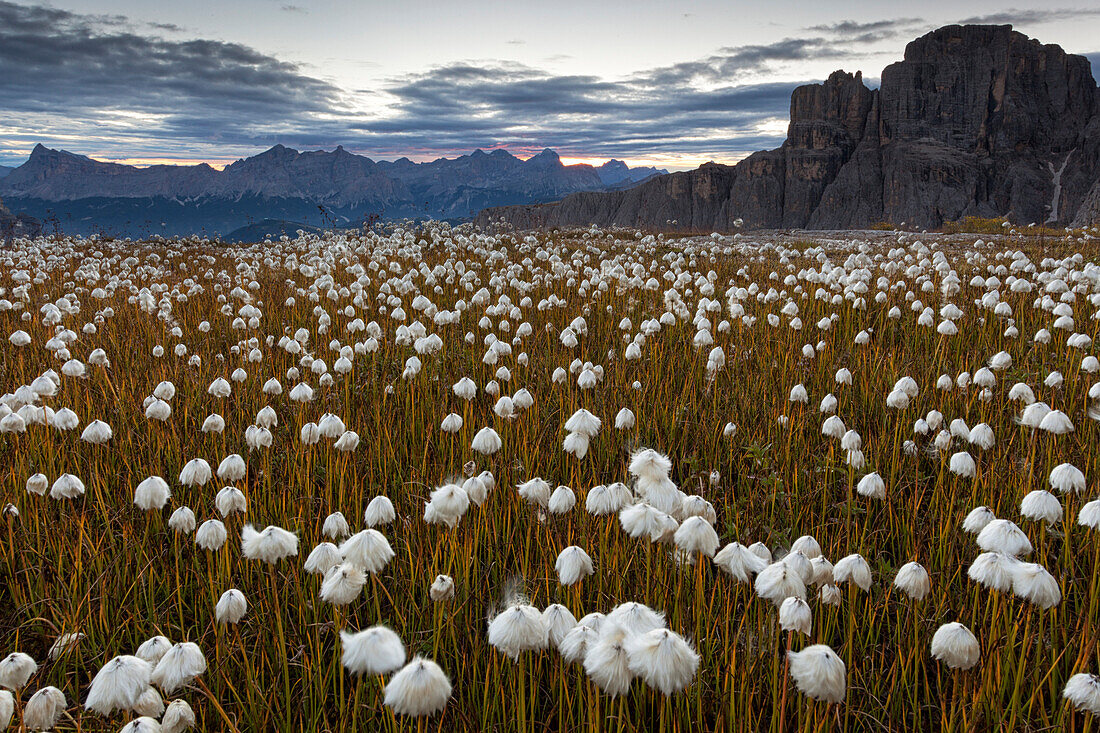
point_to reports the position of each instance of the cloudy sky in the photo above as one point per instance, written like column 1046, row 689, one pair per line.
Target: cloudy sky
column 664, row 83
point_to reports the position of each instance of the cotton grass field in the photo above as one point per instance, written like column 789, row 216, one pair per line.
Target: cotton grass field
column 435, row 479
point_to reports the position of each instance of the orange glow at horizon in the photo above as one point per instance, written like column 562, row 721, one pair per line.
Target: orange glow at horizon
column 145, row 162
column 669, row 162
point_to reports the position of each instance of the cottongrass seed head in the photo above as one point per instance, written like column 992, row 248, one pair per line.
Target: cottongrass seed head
column 1083, row 690
column 819, row 673
column 44, row 709
column 118, row 684
column 179, row 665
column 663, row 659
column 518, row 628
column 377, row 650
column 420, row 688
column 956, row 646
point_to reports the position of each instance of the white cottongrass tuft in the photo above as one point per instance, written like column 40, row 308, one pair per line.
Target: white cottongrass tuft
column 16, row 669
column 779, row 581
column 442, row 589
column 420, row 688
column 956, row 646
column 1036, row 585
column 518, row 628
column 1089, row 516
column 153, row 648
column 994, row 570
column 323, row 558
column 573, row 565
column 1041, row 506
column 486, row 441
column 583, row 422
column 379, row 511
column 574, row 645
column 343, row 583
column 819, row 673
column 1002, row 535
column 230, row 499
column 1083, row 690
column 795, row 615
column 962, row 464
column 178, row 717
column 606, row 661
column 855, row 569
column 1065, row 477
column 648, row 463
column 872, row 486
column 231, row 607
column 368, row 550
column 118, row 684
column 232, row 468
column 636, row 618
column 152, row 493
column 663, row 659
column 535, row 491
column 150, row 704
column 179, row 665
column 377, row 650
column 562, row 500
column 44, row 709
column 270, row 545
column 335, row 526
column 196, row 472
column 559, row 620
column 67, row 486
column 65, row 643
column 912, row 580
column 624, row 420
column 977, row 519
column 696, row 535
column 740, row 562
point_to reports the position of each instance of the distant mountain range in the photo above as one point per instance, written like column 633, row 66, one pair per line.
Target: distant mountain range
column 975, row 120
column 79, row 195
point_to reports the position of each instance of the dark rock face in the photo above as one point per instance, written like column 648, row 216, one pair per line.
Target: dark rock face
column 20, row 225
column 1089, row 213
column 976, row 120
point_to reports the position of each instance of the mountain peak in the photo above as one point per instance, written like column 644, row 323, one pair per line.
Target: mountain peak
column 278, row 149
column 546, row 158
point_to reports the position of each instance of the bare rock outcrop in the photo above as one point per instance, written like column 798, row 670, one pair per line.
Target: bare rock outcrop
column 974, row 121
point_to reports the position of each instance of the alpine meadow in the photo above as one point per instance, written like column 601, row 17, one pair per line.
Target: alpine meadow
column 435, row 477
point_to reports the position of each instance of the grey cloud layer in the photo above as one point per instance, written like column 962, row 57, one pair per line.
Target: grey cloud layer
column 65, row 74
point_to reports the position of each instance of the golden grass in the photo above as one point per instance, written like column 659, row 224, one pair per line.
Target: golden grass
column 102, row 567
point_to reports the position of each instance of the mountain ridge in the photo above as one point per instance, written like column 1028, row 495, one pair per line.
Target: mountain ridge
column 85, row 195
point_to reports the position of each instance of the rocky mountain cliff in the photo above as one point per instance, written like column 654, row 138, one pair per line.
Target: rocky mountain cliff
column 975, row 120
column 82, row 195
column 21, row 225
